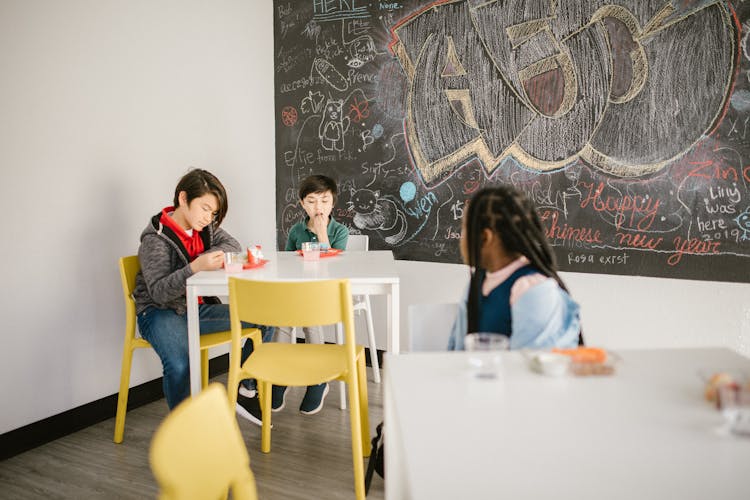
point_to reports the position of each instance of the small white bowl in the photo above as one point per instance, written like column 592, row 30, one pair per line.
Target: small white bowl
column 550, row 363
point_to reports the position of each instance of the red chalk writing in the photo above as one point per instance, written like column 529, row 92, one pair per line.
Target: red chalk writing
column 691, row 246
column 638, row 240
column 710, row 170
column 568, row 233
column 636, row 211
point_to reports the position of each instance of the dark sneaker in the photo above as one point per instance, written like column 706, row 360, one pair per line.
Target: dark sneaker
column 248, row 392
column 249, row 409
column 278, row 397
column 315, row 395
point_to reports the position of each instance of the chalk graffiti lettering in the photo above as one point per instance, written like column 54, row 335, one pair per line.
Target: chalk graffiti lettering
column 559, row 89
column 367, row 139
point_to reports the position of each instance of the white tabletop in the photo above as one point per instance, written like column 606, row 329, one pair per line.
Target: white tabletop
column 368, row 272
column 644, row 433
column 361, row 267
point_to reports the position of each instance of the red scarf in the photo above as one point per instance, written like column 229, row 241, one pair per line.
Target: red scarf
column 193, row 244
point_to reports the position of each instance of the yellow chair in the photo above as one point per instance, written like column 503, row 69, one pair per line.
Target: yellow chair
column 198, row 451
column 129, row 267
column 306, row 303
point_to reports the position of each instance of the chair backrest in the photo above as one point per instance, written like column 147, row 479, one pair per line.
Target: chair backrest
column 358, row 242
column 430, row 326
column 129, row 267
column 198, row 451
column 291, row 303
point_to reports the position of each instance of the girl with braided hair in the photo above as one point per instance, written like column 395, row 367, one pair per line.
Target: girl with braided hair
column 515, row 289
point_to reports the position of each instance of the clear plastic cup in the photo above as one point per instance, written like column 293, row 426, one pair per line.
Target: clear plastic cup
column 233, row 261
column 311, row 250
column 734, row 402
column 485, row 348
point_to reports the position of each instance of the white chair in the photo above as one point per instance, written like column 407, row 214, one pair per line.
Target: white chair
column 356, row 242
column 360, row 242
column 430, row 326
column 362, row 304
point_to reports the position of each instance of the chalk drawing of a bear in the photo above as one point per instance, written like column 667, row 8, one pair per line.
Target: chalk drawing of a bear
column 333, row 126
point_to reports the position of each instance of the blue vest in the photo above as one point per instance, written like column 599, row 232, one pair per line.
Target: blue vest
column 494, row 309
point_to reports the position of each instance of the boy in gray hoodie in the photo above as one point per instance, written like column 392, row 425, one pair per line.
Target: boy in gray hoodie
column 181, row 240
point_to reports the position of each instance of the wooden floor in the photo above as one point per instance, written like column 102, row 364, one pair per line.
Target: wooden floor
column 310, row 456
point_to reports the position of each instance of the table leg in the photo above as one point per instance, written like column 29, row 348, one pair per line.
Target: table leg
column 194, row 343
column 342, row 385
column 393, row 320
column 397, row 485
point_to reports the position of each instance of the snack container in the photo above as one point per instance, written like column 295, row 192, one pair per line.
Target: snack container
column 587, row 361
column 734, row 403
column 550, row 363
column 252, row 254
column 233, row 261
column 311, row 251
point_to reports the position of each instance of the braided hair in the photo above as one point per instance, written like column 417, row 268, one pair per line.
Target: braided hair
column 510, row 214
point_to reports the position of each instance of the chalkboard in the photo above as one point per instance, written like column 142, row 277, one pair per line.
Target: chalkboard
column 627, row 122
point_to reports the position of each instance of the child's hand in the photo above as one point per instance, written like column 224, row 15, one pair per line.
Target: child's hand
column 320, row 226
column 209, row 261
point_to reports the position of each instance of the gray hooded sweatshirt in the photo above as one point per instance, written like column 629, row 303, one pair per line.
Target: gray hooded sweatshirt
column 165, row 265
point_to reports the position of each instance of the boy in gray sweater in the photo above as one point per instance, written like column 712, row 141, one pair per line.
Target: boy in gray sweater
column 181, row 240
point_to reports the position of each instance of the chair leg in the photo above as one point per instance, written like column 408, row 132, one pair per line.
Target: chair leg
column 342, row 385
column 371, row 340
column 233, row 384
column 265, row 406
column 204, row 368
column 363, row 405
column 122, row 397
column 355, row 424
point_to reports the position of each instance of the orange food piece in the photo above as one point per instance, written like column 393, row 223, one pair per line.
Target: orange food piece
column 584, row 354
column 716, row 381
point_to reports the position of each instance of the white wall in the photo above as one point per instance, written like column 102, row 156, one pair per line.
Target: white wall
column 638, row 312
column 104, row 105
column 618, row 311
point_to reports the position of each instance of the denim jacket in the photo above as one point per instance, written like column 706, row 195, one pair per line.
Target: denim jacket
column 544, row 316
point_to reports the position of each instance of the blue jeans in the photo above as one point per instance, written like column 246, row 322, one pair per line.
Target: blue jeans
column 167, row 332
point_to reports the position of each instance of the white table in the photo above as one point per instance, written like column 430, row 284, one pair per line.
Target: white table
column 644, row 433
column 369, row 273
